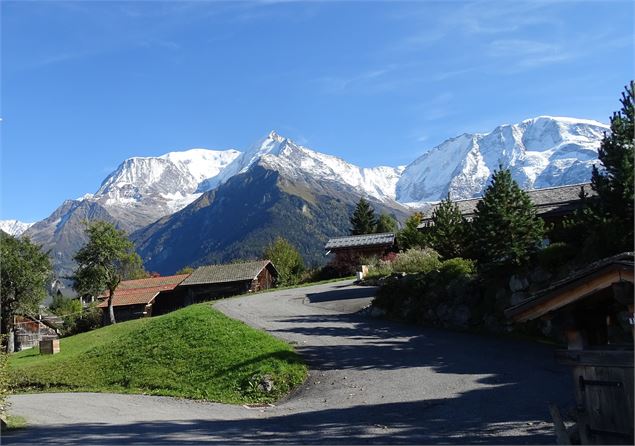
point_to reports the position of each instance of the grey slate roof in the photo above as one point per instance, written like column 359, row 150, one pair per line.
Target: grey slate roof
column 357, row 241
column 547, row 200
column 235, row 272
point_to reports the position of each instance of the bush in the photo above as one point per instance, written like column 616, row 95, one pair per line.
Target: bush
column 63, row 306
column 416, row 260
column 4, row 384
column 88, row 319
column 458, row 268
column 412, row 297
column 554, row 256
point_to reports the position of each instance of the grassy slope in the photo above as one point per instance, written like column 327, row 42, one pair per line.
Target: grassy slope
column 195, row 352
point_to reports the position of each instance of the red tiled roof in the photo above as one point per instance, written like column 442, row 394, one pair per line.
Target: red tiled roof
column 142, row 291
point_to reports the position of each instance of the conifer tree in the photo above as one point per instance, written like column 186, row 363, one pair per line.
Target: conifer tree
column 448, row 232
column 612, row 208
column 505, row 229
column 363, row 220
column 386, row 223
column 410, row 236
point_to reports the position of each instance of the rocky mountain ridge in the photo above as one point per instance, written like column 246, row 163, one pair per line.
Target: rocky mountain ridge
column 543, row 151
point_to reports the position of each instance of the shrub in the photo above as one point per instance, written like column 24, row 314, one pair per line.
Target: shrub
column 416, row 260
column 456, row 268
column 554, row 256
column 412, row 297
column 63, row 306
column 88, row 319
column 4, row 384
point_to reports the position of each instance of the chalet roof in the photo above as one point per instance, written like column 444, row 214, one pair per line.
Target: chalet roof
column 546, row 201
column 578, row 285
column 142, row 291
column 358, row 241
column 234, row 272
column 151, row 282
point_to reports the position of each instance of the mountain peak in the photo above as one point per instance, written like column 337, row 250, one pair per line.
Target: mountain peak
column 273, row 135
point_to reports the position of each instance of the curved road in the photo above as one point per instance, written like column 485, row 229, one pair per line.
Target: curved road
column 370, row 382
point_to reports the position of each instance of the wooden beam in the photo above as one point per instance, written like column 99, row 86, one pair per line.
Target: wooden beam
column 569, row 294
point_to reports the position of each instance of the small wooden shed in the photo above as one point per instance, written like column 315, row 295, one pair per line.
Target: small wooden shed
column 29, row 331
column 593, row 308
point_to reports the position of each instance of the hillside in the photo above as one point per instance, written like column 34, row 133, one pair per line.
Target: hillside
column 239, row 218
column 195, row 352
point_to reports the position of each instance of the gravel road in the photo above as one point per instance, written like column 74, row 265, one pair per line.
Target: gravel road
column 370, row 382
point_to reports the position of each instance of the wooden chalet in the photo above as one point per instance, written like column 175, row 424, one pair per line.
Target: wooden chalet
column 356, row 246
column 593, row 308
column 216, row 281
column 552, row 204
column 137, row 298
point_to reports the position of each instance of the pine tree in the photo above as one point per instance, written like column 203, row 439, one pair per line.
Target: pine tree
column 448, row 232
column 363, row 220
column 505, row 229
column 410, row 236
column 612, row 208
column 386, row 223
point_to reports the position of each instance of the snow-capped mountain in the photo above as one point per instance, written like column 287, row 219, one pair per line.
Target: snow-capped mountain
column 295, row 161
column 153, row 187
column 541, row 152
column 14, row 227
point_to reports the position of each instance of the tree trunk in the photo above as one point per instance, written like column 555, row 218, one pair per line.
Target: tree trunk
column 111, row 310
column 10, row 340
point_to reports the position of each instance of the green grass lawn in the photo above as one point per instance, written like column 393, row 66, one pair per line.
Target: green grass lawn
column 195, row 352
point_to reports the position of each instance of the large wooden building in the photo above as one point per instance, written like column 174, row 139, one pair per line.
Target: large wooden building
column 552, row 204
column 216, row 281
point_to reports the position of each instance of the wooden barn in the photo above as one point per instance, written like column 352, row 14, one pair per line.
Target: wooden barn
column 358, row 246
column 593, row 308
column 29, row 331
column 216, row 281
column 136, row 298
column 552, row 204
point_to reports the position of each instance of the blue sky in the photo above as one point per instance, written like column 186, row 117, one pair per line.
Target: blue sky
column 86, row 84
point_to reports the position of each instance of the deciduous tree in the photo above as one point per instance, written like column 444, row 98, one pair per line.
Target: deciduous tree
column 24, row 274
column 286, row 259
column 106, row 260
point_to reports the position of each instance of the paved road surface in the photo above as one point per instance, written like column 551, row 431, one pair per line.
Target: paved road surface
column 371, row 382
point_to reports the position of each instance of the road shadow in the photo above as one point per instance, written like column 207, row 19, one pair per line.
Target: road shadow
column 346, row 292
column 393, row 423
column 522, row 377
